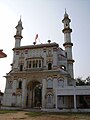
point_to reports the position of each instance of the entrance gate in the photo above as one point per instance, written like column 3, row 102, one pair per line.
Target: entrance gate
column 34, row 94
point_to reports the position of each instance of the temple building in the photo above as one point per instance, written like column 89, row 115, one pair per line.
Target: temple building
column 42, row 75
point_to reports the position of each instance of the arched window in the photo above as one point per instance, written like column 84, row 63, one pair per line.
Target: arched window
column 22, row 54
column 21, row 67
column 49, row 99
column 29, row 64
column 20, row 85
column 49, row 66
column 9, row 84
column 60, row 82
column 36, row 63
column 49, row 83
column 17, row 52
column 39, row 63
column 49, row 52
column 33, row 63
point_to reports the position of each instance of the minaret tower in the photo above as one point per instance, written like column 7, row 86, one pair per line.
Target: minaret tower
column 68, row 44
column 18, row 35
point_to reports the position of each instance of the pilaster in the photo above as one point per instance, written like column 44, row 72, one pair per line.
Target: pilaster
column 43, row 92
column 24, row 93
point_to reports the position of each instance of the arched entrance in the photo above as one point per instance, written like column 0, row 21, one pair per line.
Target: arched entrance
column 34, row 94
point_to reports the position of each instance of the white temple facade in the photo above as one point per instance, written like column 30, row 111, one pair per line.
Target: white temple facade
column 42, row 75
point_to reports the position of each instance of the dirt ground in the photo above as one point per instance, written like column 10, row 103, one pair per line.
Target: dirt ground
column 21, row 115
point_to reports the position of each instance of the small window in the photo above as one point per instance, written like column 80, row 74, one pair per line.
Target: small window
column 27, row 64
column 33, row 64
column 49, row 52
column 49, row 66
column 20, row 85
column 17, row 52
column 66, row 25
column 21, row 67
column 10, row 84
column 36, row 63
column 60, row 82
column 22, row 54
column 49, row 99
column 39, row 63
column 30, row 64
column 26, row 51
column 49, row 83
column 66, row 54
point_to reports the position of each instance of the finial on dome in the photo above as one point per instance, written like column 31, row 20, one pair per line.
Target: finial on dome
column 20, row 22
column 20, row 17
column 65, row 11
column 65, row 15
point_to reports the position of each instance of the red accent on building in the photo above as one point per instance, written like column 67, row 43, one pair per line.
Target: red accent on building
column 2, row 54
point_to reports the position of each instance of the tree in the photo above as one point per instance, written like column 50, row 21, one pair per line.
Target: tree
column 79, row 81
column 88, row 80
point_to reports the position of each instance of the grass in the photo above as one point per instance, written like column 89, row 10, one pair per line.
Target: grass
column 54, row 115
column 7, row 111
column 35, row 114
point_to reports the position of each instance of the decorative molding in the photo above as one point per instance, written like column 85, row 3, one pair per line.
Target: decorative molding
column 67, row 30
column 66, row 44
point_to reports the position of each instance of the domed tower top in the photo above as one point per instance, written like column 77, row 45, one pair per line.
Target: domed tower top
column 66, row 22
column 19, row 28
column 18, row 35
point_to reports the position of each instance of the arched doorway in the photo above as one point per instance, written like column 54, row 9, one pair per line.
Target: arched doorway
column 34, row 94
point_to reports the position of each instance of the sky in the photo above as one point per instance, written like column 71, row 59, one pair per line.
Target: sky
column 44, row 17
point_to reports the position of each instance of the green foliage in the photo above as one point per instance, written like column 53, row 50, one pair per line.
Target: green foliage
column 80, row 81
column 77, row 114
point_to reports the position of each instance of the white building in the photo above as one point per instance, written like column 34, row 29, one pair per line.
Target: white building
column 42, row 75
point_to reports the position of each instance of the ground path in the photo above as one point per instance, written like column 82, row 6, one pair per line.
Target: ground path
column 21, row 115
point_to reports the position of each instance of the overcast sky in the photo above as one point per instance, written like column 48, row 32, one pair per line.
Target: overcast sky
column 44, row 17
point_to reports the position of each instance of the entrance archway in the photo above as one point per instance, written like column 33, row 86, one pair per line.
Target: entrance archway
column 34, row 94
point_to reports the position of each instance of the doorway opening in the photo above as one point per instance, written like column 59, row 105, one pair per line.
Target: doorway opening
column 34, row 94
